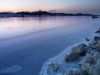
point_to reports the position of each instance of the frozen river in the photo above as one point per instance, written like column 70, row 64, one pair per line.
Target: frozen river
column 26, row 43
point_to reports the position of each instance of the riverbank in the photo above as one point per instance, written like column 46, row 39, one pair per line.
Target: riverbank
column 80, row 59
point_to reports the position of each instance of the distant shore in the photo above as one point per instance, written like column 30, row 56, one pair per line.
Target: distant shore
column 42, row 14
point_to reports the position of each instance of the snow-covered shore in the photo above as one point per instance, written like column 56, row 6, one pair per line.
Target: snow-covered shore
column 74, row 65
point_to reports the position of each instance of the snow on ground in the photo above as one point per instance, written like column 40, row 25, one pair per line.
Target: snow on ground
column 59, row 59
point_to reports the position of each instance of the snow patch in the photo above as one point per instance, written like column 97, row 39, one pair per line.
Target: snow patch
column 11, row 69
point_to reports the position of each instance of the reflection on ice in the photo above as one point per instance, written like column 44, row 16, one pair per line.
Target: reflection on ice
column 12, row 27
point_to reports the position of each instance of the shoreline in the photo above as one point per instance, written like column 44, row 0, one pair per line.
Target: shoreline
column 51, row 66
column 44, row 16
column 54, row 58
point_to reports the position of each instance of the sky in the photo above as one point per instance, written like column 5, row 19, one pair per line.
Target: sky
column 59, row 5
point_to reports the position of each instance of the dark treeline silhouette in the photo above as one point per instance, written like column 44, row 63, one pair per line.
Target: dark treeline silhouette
column 39, row 14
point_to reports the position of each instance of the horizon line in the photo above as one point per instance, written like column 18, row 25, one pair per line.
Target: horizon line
column 54, row 11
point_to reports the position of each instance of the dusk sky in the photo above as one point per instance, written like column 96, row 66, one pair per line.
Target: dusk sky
column 60, row 5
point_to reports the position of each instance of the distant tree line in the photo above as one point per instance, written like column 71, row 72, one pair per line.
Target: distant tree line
column 39, row 14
